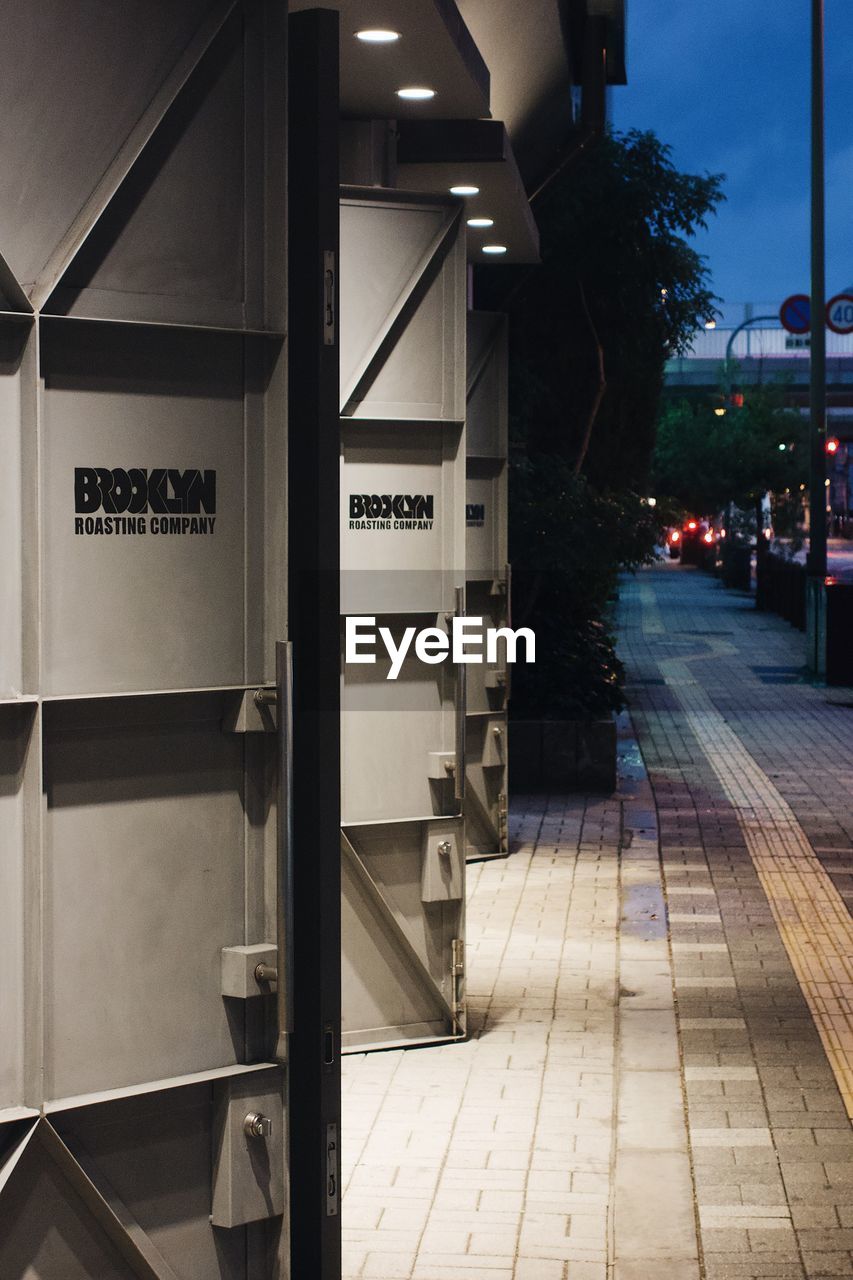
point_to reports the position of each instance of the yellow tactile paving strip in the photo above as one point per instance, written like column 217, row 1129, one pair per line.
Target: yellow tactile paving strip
column 812, row 918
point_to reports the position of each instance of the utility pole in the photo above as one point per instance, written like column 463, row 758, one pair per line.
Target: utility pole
column 817, row 397
column 816, row 561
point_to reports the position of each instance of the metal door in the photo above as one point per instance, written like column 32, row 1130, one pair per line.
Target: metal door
column 402, row 452
column 142, row 1086
column 487, row 588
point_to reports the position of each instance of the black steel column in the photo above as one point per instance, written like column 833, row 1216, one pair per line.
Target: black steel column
column 314, row 622
column 594, row 81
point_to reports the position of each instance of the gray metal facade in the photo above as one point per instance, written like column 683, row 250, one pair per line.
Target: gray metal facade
column 487, row 574
column 402, row 433
column 141, row 414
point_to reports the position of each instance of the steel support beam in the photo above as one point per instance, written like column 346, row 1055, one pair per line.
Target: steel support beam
column 314, row 631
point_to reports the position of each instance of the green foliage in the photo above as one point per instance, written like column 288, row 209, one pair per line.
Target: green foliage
column 569, row 542
column 617, row 272
column 706, row 461
column 619, row 290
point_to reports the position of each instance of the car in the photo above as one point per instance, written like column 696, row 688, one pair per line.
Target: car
column 697, row 540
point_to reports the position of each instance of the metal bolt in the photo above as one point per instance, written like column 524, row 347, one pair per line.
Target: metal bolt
column 266, row 973
column 444, row 848
column 450, row 766
column 496, row 730
column 257, row 1125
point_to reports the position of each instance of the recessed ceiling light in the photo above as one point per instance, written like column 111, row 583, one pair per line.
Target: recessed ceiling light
column 416, row 94
column 494, row 248
column 481, row 222
column 464, row 190
column 376, row 35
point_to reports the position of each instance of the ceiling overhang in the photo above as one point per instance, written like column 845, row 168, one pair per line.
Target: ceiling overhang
column 435, row 51
column 440, row 154
column 613, row 12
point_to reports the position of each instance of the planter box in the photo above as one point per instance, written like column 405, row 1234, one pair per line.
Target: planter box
column 562, row 755
column 737, row 566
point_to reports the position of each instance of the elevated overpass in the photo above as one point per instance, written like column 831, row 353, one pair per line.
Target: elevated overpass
column 762, row 355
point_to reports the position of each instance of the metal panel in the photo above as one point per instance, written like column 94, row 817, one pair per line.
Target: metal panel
column 487, row 385
column 397, row 951
column 488, row 684
column 402, row 329
column 150, row 1157
column 248, row 1180
column 485, row 518
column 487, row 583
column 87, row 94
column 49, row 1233
column 13, row 341
column 383, row 249
column 392, row 561
column 16, row 723
column 160, row 607
column 402, row 555
column 141, row 796
column 390, row 729
column 138, row 832
column 145, row 258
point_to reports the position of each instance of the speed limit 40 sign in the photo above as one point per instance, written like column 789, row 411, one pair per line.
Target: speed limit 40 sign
column 839, row 313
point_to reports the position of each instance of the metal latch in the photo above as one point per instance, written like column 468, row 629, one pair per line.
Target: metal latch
column 503, row 823
column 457, row 975
column 257, row 1125
column 329, row 298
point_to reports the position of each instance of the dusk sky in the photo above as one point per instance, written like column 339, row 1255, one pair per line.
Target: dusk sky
column 726, row 83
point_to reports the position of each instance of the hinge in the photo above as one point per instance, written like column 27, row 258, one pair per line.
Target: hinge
column 503, row 824
column 457, row 975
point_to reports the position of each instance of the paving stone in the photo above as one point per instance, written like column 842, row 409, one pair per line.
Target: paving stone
column 754, row 796
column 749, row 785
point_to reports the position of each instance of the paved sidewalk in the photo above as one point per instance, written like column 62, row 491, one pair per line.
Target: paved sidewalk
column 660, row 1066
column 549, row 1145
column 752, row 770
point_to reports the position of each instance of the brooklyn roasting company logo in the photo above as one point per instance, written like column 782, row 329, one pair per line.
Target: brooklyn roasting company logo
column 475, row 514
column 137, row 501
column 391, row 511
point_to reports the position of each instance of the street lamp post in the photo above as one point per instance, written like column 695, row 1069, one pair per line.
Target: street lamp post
column 730, row 344
column 817, row 391
column 816, row 561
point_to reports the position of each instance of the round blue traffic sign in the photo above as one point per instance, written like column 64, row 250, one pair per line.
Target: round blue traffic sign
column 796, row 312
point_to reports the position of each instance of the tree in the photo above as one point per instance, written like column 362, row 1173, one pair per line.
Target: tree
column 619, row 290
column 706, row 461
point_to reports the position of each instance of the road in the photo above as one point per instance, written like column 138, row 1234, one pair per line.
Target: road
column 839, row 558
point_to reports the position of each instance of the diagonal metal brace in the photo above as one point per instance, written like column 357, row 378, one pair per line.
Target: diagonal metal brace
column 401, row 313
column 374, row 893
column 135, row 1246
